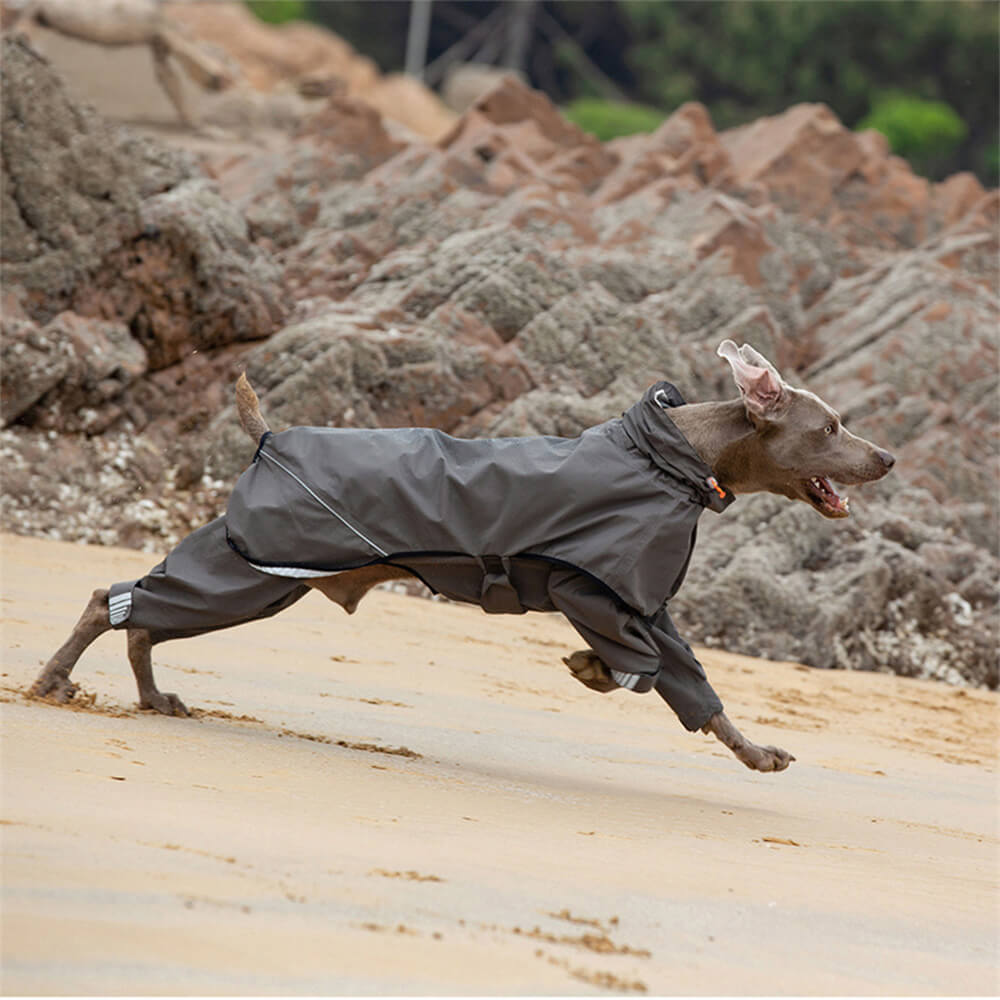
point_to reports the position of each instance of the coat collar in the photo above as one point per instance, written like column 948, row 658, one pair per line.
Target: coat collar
column 650, row 428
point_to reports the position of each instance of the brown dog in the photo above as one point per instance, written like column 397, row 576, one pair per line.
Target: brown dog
column 513, row 525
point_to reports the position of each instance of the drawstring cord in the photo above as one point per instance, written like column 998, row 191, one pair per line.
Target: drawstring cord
column 714, row 484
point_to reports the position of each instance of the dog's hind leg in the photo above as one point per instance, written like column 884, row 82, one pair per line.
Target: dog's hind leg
column 53, row 682
column 140, row 647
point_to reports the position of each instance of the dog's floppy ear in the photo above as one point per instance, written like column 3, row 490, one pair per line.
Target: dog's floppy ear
column 760, row 385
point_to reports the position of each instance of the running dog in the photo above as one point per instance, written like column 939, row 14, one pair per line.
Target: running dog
column 599, row 527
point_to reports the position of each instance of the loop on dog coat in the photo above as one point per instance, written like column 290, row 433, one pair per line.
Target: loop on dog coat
column 498, row 595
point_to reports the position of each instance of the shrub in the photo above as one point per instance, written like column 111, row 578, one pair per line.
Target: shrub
column 278, row 11
column 610, row 119
column 922, row 131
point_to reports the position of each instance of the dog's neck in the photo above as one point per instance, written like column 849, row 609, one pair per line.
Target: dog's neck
column 724, row 439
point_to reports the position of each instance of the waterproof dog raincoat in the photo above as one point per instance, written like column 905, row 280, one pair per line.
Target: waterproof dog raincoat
column 600, row 527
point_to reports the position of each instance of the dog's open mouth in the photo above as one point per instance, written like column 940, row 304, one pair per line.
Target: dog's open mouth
column 824, row 497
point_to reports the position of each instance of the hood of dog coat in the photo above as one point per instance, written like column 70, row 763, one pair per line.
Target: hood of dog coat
column 620, row 502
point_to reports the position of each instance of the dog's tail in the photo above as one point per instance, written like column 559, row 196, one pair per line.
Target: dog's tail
column 248, row 407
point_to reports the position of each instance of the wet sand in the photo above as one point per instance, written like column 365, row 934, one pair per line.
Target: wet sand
column 419, row 799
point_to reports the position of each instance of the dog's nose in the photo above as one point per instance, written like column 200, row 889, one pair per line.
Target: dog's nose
column 887, row 459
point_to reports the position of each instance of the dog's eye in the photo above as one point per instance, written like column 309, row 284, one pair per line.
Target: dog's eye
column 830, row 429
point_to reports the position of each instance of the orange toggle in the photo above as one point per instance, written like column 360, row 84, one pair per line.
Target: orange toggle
column 714, row 483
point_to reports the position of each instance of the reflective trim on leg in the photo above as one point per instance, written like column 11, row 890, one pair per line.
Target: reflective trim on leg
column 120, row 603
column 633, row 682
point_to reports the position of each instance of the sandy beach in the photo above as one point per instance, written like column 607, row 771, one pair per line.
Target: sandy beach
column 418, row 799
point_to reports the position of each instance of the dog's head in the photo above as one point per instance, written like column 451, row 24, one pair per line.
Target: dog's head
column 800, row 447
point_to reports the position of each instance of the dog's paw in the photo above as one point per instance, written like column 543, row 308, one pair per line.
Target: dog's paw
column 764, row 758
column 165, row 704
column 587, row 667
column 54, row 687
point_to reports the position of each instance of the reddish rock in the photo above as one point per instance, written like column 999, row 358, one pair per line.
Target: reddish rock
column 875, row 150
column 348, row 125
column 955, row 197
column 510, row 102
column 685, row 145
column 812, row 165
column 802, row 155
column 512, row 117
column 729, row 226
column 972, row 245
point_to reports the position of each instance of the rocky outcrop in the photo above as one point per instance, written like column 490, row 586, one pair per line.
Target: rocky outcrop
column 118, row 257
column 519, row 277
column 72, row 185
column 70, row 371
column 808, row 163
column 303, row 57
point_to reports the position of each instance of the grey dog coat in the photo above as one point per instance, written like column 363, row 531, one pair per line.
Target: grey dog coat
column 600, row 527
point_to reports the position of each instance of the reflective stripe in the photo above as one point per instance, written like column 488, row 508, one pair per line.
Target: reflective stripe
column 322, row 503
column 296, row 572
column 120, row 607
column 625, row 680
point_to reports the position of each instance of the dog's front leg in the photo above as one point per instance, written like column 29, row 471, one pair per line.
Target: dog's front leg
column 589, row 669
column 755, row 757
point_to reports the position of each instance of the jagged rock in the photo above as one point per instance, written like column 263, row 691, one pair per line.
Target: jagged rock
column 686, row 144
column 339, row 368
column 72, row 184
column 912, row 358
column 811, row 164
column 32, row 360
column 131, row 260
column 402, row 98
column 803, row 156
column 347, row 126
column 517, row 128
column 192, row 239
column 112, row 489
column 103, row 361
column 503, row 276
column 779, row 582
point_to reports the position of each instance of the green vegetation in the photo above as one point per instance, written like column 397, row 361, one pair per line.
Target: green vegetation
column 279, row 11
column 610, row 119
column 925, row 132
